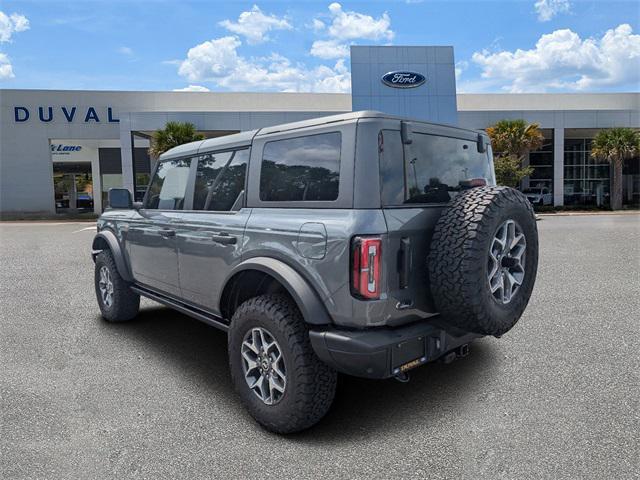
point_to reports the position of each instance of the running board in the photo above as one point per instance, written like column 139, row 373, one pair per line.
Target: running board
column 207, row 318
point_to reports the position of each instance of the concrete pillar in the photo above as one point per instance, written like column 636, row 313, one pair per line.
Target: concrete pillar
column 97, row 184
column 558, row 167
column 126, row 152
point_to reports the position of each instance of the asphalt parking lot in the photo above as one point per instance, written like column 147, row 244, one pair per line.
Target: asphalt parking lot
column 558, row 397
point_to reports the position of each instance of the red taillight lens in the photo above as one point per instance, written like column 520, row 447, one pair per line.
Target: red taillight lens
column 366, row 267
column 473, row 182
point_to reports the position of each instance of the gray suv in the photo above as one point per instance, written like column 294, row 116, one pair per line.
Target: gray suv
column 360, row 243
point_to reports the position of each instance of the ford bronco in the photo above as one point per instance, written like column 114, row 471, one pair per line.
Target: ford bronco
column 360, row 243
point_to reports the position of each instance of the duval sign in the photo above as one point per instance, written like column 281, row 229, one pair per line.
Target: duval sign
column 401, row 79
column 69, row 114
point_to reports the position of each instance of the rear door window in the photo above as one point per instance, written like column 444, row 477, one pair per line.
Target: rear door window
column 220, row 179
column 301, row 169
column 169, row 185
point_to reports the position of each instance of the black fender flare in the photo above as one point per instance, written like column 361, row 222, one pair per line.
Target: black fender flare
column 114, row 245
column 312, row 308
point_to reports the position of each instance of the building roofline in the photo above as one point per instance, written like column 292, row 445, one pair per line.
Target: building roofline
column 547, row 101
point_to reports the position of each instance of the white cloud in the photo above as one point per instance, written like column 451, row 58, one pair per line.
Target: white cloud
column 317, row 25
column 347, row 25
column 126, row 51
column 547, row 9
column 328, row 49
column 218, row 61
column 561, row 60
column 211, row 59
column 461, row 66
column 6, row 70
column 254, row 25
column 10, row 24
column 192, row 88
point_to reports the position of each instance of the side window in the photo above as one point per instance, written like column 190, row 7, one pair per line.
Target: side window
column 219, row 180
column 301, row 169
column 169, row 185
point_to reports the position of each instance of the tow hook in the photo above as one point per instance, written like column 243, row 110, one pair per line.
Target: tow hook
column 402, row 377
column 450, row 356
column 462, row 350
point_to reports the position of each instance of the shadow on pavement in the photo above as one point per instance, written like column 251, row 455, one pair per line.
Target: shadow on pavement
column 361, row 406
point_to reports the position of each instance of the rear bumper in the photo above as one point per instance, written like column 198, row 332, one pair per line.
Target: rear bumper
column 385, row 352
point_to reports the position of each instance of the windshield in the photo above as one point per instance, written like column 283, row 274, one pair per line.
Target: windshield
column 432, row 169
column 535, row 191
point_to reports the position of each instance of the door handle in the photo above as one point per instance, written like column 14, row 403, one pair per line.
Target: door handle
column 224, row 238
column 166, row 233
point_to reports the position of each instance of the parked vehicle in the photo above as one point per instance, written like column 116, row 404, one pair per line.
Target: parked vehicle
column 539, row 196
column 359, row 243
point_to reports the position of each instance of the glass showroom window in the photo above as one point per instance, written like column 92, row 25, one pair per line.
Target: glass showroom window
column 586, row 180
column 542, row 162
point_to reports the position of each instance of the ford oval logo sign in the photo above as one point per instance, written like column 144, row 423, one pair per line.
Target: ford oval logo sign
column 403, row 79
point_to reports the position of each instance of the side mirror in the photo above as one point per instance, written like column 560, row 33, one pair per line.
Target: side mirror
column 120, row 198
column 406, row 133
column 482, row 148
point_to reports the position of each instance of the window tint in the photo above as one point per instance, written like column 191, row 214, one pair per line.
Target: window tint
column 437, row 167
column 219, row 180
column 391, row 167
column 432, row 169
column 169, row 185
column 301, row 169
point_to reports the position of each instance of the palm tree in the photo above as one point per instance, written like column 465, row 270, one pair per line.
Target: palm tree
column 511, row 141
column 615, row 146
column 172, row 135
column 515, row 137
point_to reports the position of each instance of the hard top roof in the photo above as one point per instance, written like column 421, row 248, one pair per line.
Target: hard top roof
column 245, row 138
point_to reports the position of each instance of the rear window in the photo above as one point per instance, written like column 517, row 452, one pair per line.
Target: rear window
column 301, row 169
column 432, row 169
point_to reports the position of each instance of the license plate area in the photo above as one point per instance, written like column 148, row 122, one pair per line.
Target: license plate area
column 408, row 354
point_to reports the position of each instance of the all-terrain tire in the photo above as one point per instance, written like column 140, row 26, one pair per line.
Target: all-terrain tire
column 124, row 303
column 459, row 261
column 310, row 384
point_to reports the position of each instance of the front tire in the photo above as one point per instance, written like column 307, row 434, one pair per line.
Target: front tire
column 117, row 302
column 280, row 380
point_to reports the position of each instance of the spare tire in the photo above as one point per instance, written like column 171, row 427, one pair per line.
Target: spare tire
column 483, row 259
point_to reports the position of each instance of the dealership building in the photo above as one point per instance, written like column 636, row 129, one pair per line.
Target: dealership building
column 61, row 150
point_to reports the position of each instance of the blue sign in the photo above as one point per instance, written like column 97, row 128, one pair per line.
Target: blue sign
column 60, row 149
column 47, row 114
column 403, row 79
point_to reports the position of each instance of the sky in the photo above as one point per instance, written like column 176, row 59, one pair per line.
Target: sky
column 511, row 46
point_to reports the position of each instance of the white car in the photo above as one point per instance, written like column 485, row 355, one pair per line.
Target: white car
column 539, row 196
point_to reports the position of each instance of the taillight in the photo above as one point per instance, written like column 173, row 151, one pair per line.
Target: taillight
column 366, row 267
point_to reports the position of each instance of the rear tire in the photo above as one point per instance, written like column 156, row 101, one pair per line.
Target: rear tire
column 308, row 384
column 117, row 302
column 474, row 280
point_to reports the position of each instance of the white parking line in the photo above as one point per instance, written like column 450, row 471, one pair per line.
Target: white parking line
column 83, row 229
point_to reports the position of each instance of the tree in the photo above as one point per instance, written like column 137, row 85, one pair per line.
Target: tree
column 172, row 135
column 515, row 137
column 511, row 141
column 509, row 170
column 615, row 146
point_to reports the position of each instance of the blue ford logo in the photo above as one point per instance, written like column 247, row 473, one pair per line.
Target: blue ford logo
column 403, row 79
